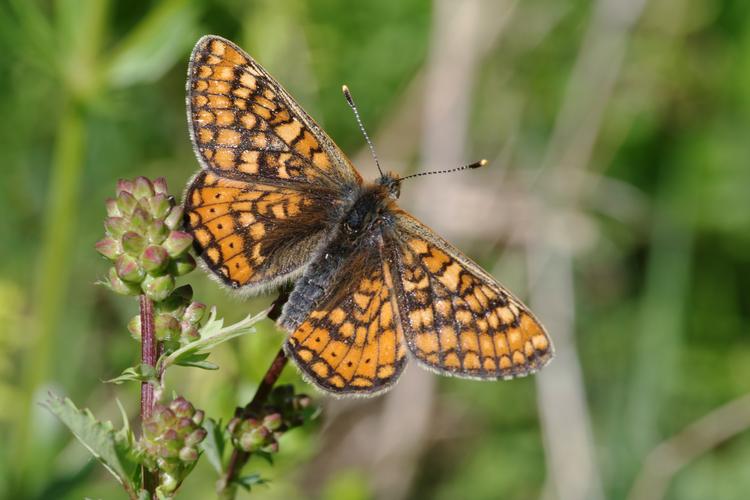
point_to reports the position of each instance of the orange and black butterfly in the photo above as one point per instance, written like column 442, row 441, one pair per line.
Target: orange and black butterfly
column 277, row 201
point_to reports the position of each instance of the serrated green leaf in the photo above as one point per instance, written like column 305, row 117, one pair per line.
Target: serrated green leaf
column 205, row 365
column 111, row 448
column 212, row 334
column 214, row 444
column 140, row 373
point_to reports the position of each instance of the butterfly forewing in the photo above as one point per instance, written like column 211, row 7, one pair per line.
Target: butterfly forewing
column 273, row 182
column 456, row 318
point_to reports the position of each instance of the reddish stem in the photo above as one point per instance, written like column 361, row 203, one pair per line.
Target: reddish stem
column 149, row 353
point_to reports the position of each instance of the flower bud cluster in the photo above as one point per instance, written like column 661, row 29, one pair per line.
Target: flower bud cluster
column 176, row 319
column 143, row 240
column 170, row 440
column 285, row 410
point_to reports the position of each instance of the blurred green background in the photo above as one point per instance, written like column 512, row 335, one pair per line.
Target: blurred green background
column 616, row 203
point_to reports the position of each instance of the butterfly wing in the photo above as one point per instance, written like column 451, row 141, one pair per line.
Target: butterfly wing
column 457, row 319
column 272, row 182
column 343, row 324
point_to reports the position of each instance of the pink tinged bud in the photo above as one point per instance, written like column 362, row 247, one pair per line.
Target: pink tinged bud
column 117, row 285
column 190, row 334
column 108, row 247
column 303, row 401
column 128, row 269
column 112, row 209
column 139, row 220
column 184, row 426
column 158, row 288
column 157, row 231
column 233, row 425
column 181, row 407
column 273, row 421
column 126, row 203
column 163, row 415
column 183, row 265
column 159, row 205
column 174, row 219
column 124, row 186
column 142, row 188
column 134, row 327
column 167, row 327
column 198, row 417
column 115, row 226
column 272, row 447
column 151, row 429
column 196, row 437
column 160, row 186
column 154, row 259
column 177, row 243
column 188, row 454
column 194, row 313
column 133, row 243
column 251, row 441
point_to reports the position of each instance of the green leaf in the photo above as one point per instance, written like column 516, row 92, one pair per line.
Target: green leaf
column 214, row 445
column 140, row 373
column 155, row 44
column 212, row 334
column 250, row 480
column 113, row 449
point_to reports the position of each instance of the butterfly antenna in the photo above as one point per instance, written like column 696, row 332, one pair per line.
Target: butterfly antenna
column 476, row 164
column 350, row 101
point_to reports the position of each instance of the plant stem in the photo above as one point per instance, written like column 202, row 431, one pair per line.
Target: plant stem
column 149, row 353
column 226, row 489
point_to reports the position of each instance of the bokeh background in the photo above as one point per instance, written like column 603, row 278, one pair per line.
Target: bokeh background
column 616, row 203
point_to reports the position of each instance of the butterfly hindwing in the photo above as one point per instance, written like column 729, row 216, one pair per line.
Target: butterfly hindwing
column 343, row 322
column 456, row 318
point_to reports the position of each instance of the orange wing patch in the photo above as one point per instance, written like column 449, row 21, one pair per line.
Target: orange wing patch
column 457, row 319
column 353, row 344
column 238, row 228
column 243, row 123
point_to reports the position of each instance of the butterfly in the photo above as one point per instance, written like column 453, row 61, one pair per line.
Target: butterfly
column 276, row 201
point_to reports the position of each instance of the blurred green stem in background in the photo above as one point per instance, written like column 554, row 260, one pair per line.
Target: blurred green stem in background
column 53, row 268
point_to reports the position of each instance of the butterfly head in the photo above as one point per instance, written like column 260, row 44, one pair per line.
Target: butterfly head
column 391, row 182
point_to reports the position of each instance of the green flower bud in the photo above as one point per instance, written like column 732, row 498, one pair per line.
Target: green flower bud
column 196, row 436
column 154, row 259
column 126, row 203
column 112, row 209
column 198, row 417
column 139, row 220
column 134, row 327
column 272, row 447
column 253, row 440
column 189, row 334
column 142, row 188
column 166, row 327
column 183, row 265
column 160, row 186
column 128, row 269
column 174, row 219
column 115, row 226
column 163, row 415
column 273, row 421
column 108, row 247
column 133, row 243
column 124, row 186
column 117, row 285
column 158, row 288
column 159, row 206
column 188, row 454
column 177, row 243
column 157, row 231
column 194, row 313
column 181, row 407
